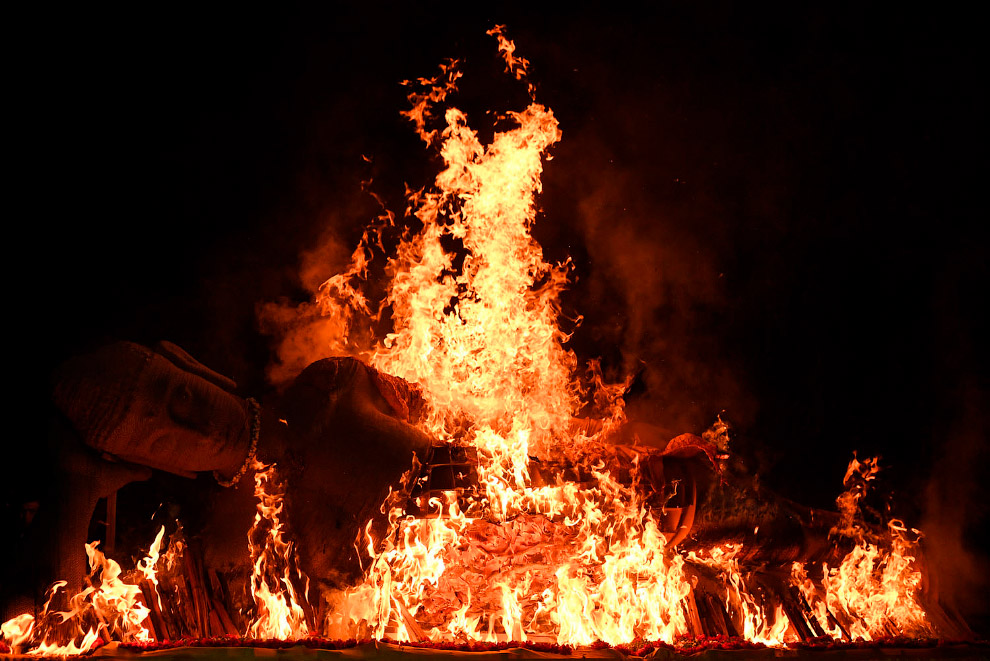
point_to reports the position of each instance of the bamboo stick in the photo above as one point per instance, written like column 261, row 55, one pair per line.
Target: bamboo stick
column 150, row 595
column 799, row 619
column 197, row 590
column 173, row 612
column 693, row 617
column 226, row 623
column 802, row 604
column 412, row 626
column 718, row 616
column 191, row 607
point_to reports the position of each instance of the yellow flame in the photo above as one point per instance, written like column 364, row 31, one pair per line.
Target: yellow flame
column 147, row 564
column 17, row 630
column 475, row 310
column 816, row 603
column 278, row 601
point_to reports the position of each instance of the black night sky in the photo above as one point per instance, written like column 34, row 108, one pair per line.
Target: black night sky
column 773, row 212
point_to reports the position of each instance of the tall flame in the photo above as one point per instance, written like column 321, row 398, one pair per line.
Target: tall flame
column 475, row 309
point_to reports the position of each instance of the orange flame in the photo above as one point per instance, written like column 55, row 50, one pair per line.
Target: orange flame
column 815, row 601
column 475, row 310
column 147, row 565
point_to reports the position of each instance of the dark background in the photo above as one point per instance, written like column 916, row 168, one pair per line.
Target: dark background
column 773, row 211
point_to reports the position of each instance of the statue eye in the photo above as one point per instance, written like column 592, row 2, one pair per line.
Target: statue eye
column 180, row 405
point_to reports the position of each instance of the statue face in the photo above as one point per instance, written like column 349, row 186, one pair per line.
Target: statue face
column 180, row 421
column 136, row 404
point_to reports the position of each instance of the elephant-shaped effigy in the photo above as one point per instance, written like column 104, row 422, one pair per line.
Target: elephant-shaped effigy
column 342, row 433
column 126, row 409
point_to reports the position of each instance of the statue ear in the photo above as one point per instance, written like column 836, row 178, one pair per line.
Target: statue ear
column 178, row 356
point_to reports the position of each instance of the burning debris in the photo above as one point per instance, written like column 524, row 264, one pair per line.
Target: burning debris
column 447, row 486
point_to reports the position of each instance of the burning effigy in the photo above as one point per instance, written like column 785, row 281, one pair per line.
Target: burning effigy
column 460, row 482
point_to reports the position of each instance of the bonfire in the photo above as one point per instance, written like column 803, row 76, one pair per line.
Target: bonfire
column 501, row 495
